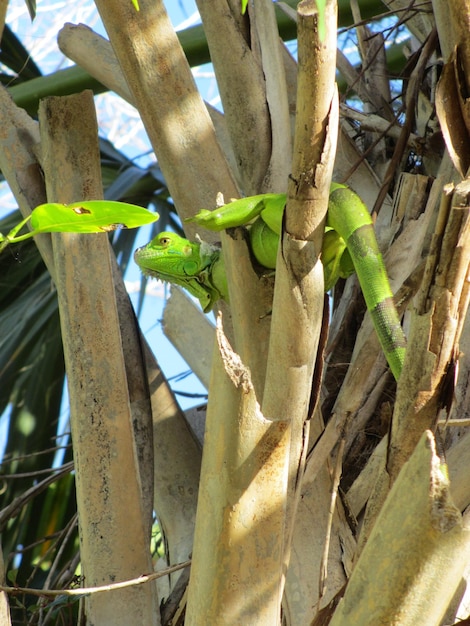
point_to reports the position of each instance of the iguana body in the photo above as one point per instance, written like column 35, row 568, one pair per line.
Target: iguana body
column 349, row 245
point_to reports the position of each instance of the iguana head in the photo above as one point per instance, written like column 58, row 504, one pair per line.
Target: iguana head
column 192, row 265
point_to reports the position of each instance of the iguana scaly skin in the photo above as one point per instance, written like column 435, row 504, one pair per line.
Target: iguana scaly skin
column 349, row 245
column 198, row 267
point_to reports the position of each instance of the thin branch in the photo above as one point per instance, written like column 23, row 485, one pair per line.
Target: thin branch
column 84, row 591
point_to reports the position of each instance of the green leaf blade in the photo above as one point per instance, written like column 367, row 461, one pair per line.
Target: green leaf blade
column 92, row 216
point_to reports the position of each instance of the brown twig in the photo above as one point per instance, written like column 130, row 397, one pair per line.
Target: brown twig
column 83, row 591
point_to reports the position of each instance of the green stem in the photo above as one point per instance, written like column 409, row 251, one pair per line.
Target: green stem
column 13, row 238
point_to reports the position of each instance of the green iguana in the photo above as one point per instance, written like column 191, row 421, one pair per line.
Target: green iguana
column 349, row 245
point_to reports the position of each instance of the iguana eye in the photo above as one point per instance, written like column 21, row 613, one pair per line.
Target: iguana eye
column 165, row 241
